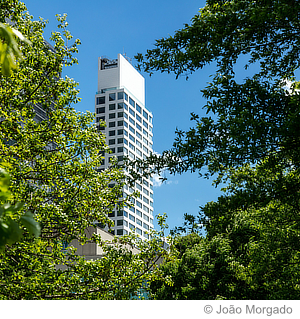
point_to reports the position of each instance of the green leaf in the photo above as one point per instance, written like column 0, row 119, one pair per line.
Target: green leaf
column 30, row 224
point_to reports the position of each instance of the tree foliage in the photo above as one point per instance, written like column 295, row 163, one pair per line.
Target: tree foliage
column 53, row 154
column 249, row 139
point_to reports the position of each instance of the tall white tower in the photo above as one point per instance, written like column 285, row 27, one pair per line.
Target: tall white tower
column 120, row 102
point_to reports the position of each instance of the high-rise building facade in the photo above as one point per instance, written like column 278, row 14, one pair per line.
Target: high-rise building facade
column 120, row 102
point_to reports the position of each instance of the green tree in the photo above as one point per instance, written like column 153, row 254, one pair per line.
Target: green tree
column 53, row 154
column 248, row 139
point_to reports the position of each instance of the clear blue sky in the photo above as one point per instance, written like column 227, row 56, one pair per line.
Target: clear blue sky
column 132, row 26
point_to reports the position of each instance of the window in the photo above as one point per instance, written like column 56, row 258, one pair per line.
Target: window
column 138, row 186
column 111, row 142
column 145, row 133
column 120, row 232
column 146, row 226
column 125, row 124
column 120, row 114
column 145, row 191
column 131, row 146
column 131, row 121
column 145, row 183
column 138, row 127
column 138, row 118
column 120, row 149
column 120, row 222
column 146, row 200
column 150, row 119
column 112, row 96
column 111, row 133
column 112, row 124
column 145, row 124
column 139, row 204
column 131, row 129
column 131, row 217
column 100, row 100
column 112, row 116
column 131, row 155
column 120, row 123
column 122, row 95
column 138, row 135
column 120, row 132
column 139, row 231
column 150, row 128
column 113, row 150
column 145, row 149
column 122, row 106
column 131, row 101
column 120, row 140
column 138, row 212
column 151, row 204
column 139, row 222
column 151, row 195
column 138, row 143
column 145, row 114
column 146, row 217
column 138, row 108
column 131, row 226
column 112, row 107
column 131, row 138
column 132, row 209
column 131, row 111
column 100, row 110
column 146, row 209
column 146, row 235
column 145, row 141
column 139, row 152
column 121, row 213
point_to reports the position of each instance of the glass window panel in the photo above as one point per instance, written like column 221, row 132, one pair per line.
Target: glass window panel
column 100, row 100
column 131, row 121
column 111, row 142
column 138, row 135
column 131, row 138
column 100, row 110
column 131, row 129
column 131, row 111
column 138, row 108
column 139, row 222
column 138, row 118
column 139, row 204
column 138, row 212
column 145, row 114
column 112, row 96
column 131, row 101
column 112, row 107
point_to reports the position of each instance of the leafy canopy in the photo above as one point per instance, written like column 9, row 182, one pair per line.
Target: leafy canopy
column 54, row 153
column 249, row 138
